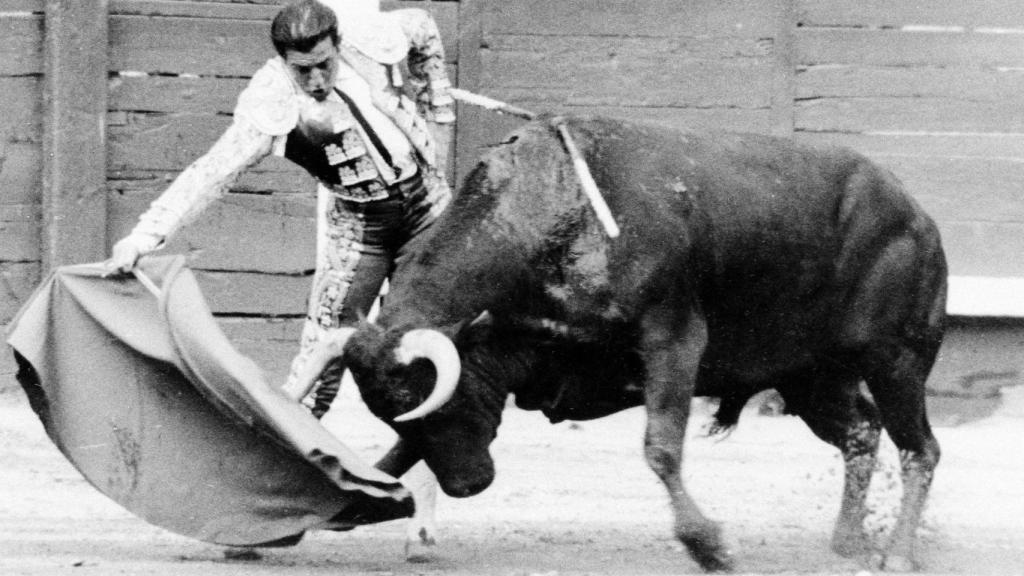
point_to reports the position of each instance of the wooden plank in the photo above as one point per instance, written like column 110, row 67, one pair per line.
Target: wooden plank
column 21, row 43
column 290, row 180
column 74, row 157
column 684, row 118
column 21, row 109
column 19, row 232
column 470, row 131
column 175, row 45
column 271, row 176
column 271, row 342
column 239, row 9
column 896, row 48
column 1006, row 146
column 969, row 84
column 22, row 6
column 648, row 72
column 665, row 18
column 280, row 330
column 624, row 48
column 983, row 248
column 17, row 282
column 783, row 70
column 234, row 2
column 253, row 293
column 167, row 142
column 150, row 150
column 991, row 13
column 175, row 94
column 180, row 45
column 233, row 10
column 972, row 178
column 20, row 173
column 973, row 189
column 969, row 183
column 907, row 115
column 496, row 127
column 240, row 232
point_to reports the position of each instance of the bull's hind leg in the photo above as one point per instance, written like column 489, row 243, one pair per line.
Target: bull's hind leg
column 899, row 391
column 671, row 358
column 838, row 413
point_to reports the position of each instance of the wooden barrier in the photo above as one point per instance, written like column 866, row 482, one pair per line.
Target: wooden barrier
column 933, row 90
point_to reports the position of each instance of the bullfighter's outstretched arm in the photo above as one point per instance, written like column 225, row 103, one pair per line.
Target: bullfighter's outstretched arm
column 195, row 188
column 205, row 180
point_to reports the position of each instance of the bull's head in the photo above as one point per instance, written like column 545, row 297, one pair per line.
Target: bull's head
column 411, row 380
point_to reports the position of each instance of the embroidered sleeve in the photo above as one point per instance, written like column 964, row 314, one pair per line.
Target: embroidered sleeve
column 269, row 101
column 428, row 76
column 205, row 180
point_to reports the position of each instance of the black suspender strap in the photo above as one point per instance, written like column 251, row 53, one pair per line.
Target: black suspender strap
column 374, row 139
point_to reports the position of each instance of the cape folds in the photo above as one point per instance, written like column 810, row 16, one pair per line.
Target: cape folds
column 154, row 406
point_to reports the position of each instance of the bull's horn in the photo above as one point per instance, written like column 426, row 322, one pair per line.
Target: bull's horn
column 329, row 346
column 439, row 349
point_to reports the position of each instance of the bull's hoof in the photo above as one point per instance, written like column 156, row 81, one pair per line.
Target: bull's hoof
column 851, row 544
column 421, row 547
column 715, row 561
column 708, row 551
column 893, row 563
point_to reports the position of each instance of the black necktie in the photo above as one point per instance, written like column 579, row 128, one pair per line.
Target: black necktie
column 374, row 139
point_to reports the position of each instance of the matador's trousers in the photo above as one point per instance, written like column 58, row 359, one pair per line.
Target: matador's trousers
column 358, row 245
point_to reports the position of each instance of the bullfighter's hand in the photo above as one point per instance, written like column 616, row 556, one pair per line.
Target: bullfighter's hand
column 128, row 250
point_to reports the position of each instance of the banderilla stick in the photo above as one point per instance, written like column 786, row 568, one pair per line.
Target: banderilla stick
column 604, row 214
column 490, row 103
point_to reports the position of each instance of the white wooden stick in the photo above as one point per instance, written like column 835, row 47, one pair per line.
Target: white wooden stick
column 604, row 214
column 147, row 282
column 490, row 103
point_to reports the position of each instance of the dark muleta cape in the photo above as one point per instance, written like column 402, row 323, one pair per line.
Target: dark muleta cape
column 155, row 407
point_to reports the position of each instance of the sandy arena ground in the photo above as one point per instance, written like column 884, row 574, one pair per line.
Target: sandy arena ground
column 569, row 499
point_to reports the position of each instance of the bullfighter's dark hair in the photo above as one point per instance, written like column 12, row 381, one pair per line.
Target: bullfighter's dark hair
column 302, row 25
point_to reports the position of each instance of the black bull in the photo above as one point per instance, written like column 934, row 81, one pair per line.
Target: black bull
column 745, row 263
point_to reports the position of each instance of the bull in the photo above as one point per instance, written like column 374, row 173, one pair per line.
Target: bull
column 745, row 263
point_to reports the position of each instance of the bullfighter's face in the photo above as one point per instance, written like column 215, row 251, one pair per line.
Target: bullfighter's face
column 314, row 71
column 454, row 440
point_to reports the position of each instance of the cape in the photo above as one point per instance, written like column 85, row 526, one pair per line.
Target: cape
column 149, row 400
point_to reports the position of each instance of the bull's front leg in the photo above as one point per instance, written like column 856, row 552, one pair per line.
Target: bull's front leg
column 671, row 355
column 421, row 530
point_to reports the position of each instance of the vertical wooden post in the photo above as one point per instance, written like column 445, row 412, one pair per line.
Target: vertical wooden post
column 784, row 76
column 467, row 125
column 74, row 142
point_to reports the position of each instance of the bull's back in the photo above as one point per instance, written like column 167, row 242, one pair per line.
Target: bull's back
column 775, row 238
